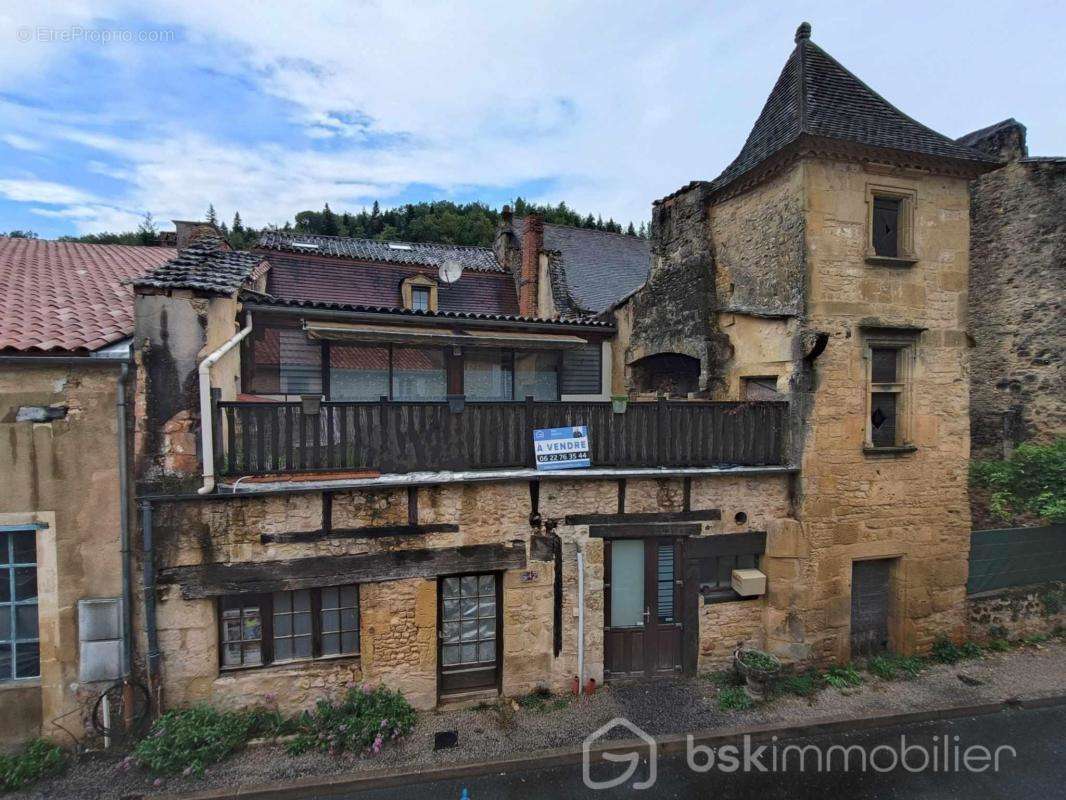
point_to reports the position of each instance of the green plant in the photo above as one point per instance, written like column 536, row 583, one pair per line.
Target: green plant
column 803, row 684
column 843, row 677
column 890, row 667
column 1038, row 638
column 1053, row 602
column 39, row 759
column 364, row 720
column 1032, row 480
column 537, row 700
column 725, row 677
column 758, row 660
column 971, row 650
column 945, row 651
column 191, row 739
column 998, row 645
column 733, row 698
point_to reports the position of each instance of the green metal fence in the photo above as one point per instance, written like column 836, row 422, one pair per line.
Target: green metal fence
column 1016, row 557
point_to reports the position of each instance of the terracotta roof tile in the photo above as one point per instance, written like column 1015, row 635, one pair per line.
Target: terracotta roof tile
column 68, row 296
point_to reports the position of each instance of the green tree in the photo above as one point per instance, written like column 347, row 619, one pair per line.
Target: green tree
column 329, row 226
column 212, row 217
column 19, row 234
column 146, row 231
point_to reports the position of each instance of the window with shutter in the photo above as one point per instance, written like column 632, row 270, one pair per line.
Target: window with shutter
column 888, row 375
column 582, row 370
column 886, row 226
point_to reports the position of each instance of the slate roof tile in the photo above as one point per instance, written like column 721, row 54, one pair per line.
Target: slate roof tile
column 429, row 254
column 206, row 265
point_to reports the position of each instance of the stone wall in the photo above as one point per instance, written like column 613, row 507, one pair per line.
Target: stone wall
column 1017, row 613
column 908, row 506
column 62, row 474
column 725, row 625
column 399, row 618
column 1017, row 308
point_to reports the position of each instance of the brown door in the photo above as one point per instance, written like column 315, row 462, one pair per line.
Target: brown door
column 642, row 608
column 469, row 635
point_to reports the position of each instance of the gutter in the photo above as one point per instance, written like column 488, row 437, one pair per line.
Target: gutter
column 207, row 441
column 148, row 579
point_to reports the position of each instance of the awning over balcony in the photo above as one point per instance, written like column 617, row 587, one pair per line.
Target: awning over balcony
column 425, row 335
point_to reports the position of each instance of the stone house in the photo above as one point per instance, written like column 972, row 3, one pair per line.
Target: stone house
column 65, row 325
column 1017, row 286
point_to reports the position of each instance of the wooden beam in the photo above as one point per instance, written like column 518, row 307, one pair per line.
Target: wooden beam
column 370, row 532
column 706, row 515
column 642, row 530
column 726, row 544
column 213, row 580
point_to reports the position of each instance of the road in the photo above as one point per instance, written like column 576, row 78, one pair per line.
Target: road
column 1038, row 770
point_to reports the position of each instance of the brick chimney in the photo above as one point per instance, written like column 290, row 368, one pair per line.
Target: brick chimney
column 532, row 244
column 188, row 231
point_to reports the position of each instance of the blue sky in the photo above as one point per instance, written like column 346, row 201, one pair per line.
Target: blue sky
column 110, row 108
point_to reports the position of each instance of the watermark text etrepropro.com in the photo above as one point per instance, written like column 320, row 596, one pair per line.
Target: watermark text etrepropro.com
column 77, row 33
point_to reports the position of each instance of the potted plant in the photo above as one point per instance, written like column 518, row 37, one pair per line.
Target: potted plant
column 619, row 403
column 758, row 670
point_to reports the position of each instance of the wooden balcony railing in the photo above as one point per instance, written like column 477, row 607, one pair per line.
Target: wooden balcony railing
column 254, row 438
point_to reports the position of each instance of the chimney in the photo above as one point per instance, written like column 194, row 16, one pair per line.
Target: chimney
column 532, row 244
column 188, row 231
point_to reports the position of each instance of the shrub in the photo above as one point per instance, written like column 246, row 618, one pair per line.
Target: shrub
column 726, row 677
column 758, row 660
column 998, row 645
column 843, row 677
column 365, row 719
column 1032, row 480
column 734, row 698
column 191, row 739
column 39, row 759
column 947, row 652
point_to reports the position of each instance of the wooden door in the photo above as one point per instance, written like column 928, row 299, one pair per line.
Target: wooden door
column 870, row 606
column 470, row 647
column 642, row 608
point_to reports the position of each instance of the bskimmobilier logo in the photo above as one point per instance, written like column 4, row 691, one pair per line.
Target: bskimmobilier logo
column 633, row 758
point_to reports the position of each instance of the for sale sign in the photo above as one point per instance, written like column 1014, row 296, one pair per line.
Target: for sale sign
column 562, row 448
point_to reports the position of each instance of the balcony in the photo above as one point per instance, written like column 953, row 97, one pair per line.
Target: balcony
column 261, row 438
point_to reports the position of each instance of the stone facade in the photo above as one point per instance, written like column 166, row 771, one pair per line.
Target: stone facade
column 1017, row 286
column 61, row 474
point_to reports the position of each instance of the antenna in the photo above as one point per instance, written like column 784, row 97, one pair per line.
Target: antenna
column 450, row 271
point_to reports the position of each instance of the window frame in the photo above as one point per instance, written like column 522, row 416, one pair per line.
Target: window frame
column 906, row 252
column 407, row 287
column 7, row 572
column 265, row 601
column 902, row 387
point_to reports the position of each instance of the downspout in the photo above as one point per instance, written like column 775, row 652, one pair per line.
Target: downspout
column 124, row 526
column 580, row 620
column 207, row 442
column 148, row 578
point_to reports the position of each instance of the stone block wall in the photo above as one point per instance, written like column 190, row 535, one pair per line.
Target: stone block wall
column 725, row 625
column 1017, row 613
column 1017, row 306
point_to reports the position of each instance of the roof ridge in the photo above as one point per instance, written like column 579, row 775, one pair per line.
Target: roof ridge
column 374, row 241
column 623, row 234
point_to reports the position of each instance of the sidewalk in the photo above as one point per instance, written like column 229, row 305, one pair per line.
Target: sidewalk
column 663, row 709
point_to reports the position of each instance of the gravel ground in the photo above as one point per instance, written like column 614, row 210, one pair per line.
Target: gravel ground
column 661, row 707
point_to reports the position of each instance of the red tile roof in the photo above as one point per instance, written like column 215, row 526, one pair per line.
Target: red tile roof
column 67, row 296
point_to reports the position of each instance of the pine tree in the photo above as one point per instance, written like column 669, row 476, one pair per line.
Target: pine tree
column 329, row 225
column 212, row 217
column 237, row 227
column 631, row 231
column 146, row 231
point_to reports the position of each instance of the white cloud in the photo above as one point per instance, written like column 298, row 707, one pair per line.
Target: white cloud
column 22, row 142
column 35, row 191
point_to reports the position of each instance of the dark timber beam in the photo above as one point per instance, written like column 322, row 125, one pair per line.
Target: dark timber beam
column 642, row 530
column 371, row 532
column 213, row 580
column 707, row 515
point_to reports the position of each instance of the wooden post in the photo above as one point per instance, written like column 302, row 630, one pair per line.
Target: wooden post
column 530, row 424
column 661, row 425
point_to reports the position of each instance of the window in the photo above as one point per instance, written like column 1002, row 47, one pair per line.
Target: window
column 358, row 372
column 759, row 387
column 887, row 369
column 717, row 556
column 488, row 374
column 418, row 374
column 284, row 361
column 420, row 298
column 891, row 225
column 536, row 375
column 273, row 628
column 20, row 647
column 886, row 221
column 582, row 370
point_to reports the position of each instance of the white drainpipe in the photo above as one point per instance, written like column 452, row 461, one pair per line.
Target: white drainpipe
column 207, row 441
column 580, row 620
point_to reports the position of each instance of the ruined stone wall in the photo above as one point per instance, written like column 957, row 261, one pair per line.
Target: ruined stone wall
column 1017, row 307
column 1017, row 613
column 64, row 475
column 674, row 312
column 399, row 618
column 910, row 506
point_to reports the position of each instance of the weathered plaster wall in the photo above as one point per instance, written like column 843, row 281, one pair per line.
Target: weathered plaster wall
column 398, row 618
column 62, row 473
column 910, row 506
column 1017, row 307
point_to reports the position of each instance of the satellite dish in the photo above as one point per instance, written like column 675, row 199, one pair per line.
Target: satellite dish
column 450, row 271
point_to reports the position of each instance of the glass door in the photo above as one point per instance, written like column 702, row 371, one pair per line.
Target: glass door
column 469, row 635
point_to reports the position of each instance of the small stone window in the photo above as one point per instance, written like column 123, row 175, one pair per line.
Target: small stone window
column 759, row 387
column 259, row 629
column 888, row 402
column 891, row 226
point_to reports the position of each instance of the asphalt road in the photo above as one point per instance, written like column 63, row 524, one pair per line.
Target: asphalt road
column 1037, row 771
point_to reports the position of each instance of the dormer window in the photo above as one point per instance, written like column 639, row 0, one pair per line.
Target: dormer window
column 419, row 293
column 420, row 298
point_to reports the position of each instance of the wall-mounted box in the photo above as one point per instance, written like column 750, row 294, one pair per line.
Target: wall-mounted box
column 99, row 639
column 749, row 582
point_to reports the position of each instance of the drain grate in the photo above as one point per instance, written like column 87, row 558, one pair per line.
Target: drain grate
column 442, row 740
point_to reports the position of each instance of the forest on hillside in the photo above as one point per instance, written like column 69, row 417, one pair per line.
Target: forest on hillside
column 437, row 221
